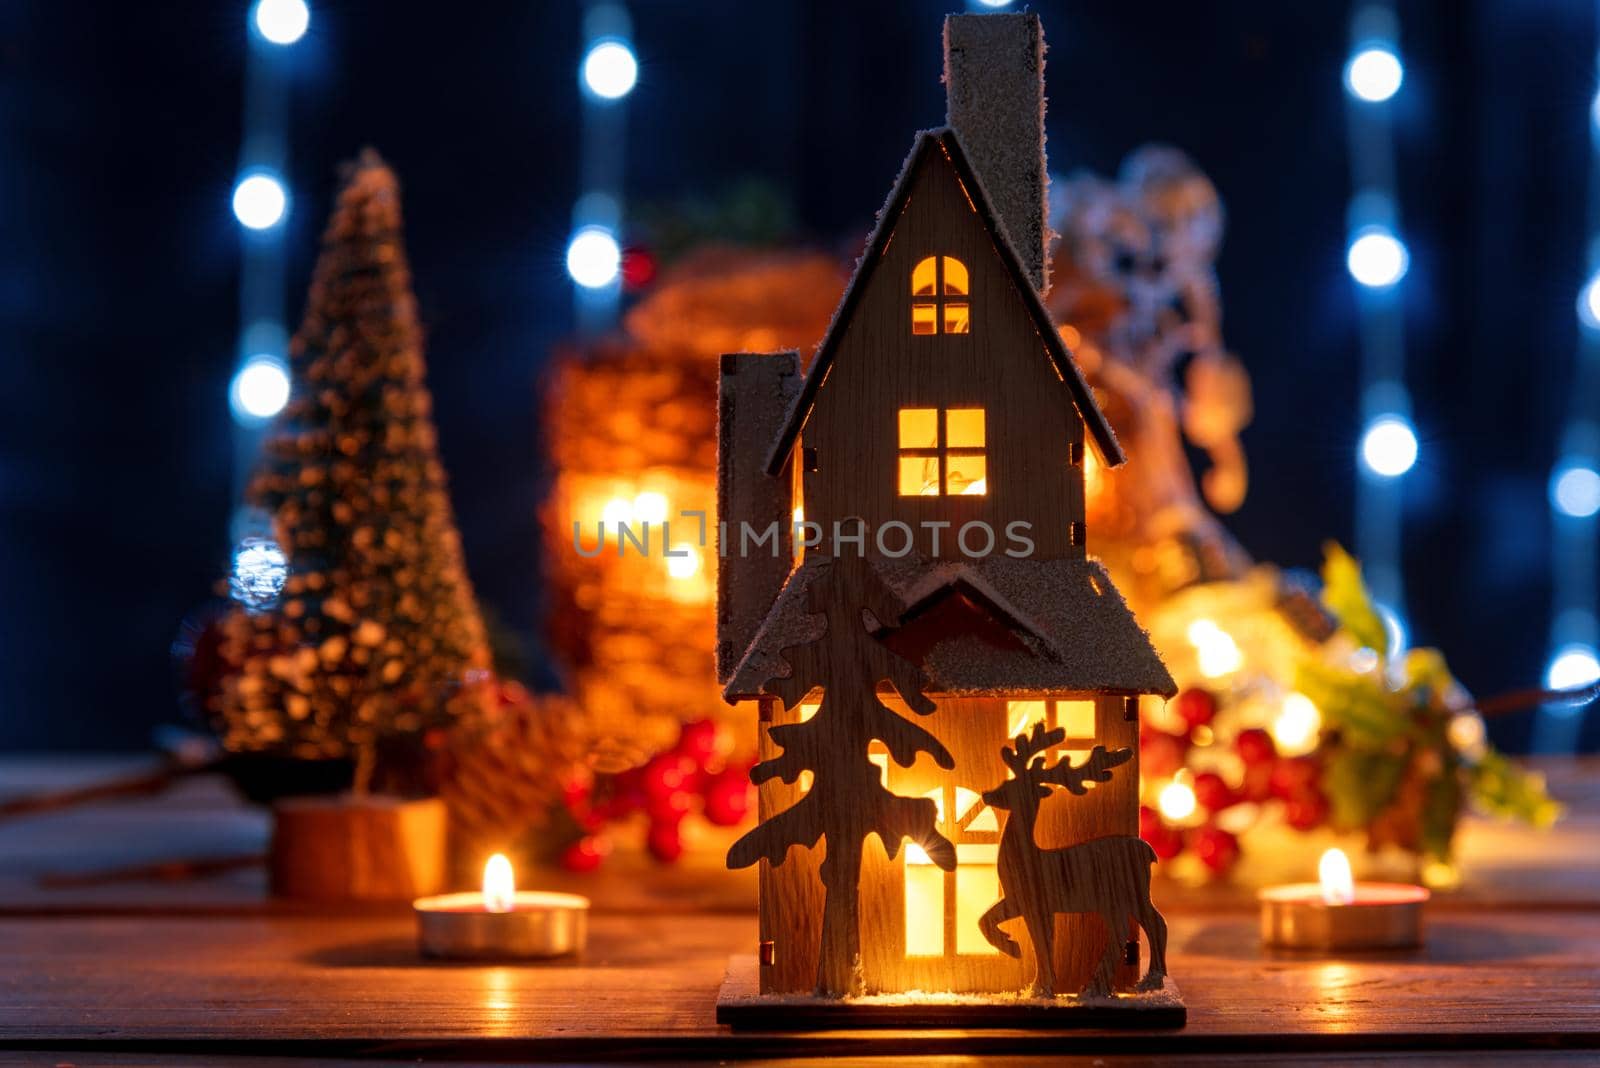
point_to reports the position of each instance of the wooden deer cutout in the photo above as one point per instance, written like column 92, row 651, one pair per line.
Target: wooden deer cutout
column 1109, row 876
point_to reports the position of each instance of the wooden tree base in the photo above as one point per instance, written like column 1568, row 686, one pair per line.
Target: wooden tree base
column 349, row 848
column 741, row 1005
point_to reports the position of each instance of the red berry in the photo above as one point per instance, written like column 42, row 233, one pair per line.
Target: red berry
column 1306, row 812
column 1216, row 848
column 585, row 854
column 1195, row 707
column 1255, row 746
column 728, row 798
column 698, row 741
column 671, row 808
column 577, row 792
column 665, row 841
column 1160, row 754
column 1257, row 782
column 1167, row 842
column 1292, row 777
column 1212, row 792
column 666, row 774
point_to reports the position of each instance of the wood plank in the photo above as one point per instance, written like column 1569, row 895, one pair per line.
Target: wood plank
column 741, row 1005
column 330, row 987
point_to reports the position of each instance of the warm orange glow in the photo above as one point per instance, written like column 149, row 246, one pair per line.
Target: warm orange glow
column 955, row 278
column 964, row 428
column 1338, row 884
column 1076, row 718
column 650, row 507
column 924, row 904
column 1216, row 651
column 683, row 566
column 1176, row 800
column 1022, row 715
column 919, row 476
column 966, row 476
column 919, row 428
column 1298, row 726
column 939, row 277
column 499, row 884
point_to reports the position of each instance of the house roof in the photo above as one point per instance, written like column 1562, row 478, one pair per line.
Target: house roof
column 944, row 139
column 1026, row 626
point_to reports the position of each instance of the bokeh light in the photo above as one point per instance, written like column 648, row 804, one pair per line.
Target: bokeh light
column 1573, row 665
column 260, row 569
column 283, row 22
column 594, row 258
column 610, row 70
column 1377, row 258
column 260, row 389
column 1374, row 74
column 260, row 202
column 1575, row 490
column 1389, row 446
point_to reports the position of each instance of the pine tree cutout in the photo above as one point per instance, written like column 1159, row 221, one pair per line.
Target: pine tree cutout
column 377, row 620
column 847, row 800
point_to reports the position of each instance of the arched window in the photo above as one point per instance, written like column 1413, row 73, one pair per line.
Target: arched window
column 938, row 279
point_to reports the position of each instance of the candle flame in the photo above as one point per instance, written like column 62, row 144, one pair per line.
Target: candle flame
column 1338, row 885
column 499, row 885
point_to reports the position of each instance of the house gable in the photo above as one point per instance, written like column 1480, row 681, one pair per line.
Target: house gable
column 929, row 144
column 1026, row 471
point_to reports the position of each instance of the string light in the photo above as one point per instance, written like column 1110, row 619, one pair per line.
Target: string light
column 1389, row 446
column 260, row 569
column 1575, row 490
column 683, row 562
column 1573, row 665
column 260, row 389
column 650, row 507
column 1377, row 258
column 610, row 70
column 1296, row 728
column 1374, row 74
column 283, row 22
column 1218, row 654
column 593, row 257
column 1176, row 800
column 259, row 201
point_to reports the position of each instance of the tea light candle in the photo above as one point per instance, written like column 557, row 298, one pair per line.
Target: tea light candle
column 501, row 923
column 1339, row 913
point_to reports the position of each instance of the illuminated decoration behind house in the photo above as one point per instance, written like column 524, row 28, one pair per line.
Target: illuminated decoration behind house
column 631, row 437
column 905, row 692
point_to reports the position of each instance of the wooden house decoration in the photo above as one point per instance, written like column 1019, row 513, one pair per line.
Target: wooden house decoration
column 948, row 689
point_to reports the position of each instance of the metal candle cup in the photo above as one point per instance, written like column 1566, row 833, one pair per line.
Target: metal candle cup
column 1340, row 914
column 501, row 923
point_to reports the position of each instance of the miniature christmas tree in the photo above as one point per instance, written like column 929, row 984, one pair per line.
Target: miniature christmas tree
column 376, row 621
column 847, row 800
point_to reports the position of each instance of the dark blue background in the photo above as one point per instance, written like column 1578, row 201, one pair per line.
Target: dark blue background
column 120, row 129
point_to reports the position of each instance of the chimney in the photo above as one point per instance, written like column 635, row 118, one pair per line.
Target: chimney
column 755, row 391
column 994, row 93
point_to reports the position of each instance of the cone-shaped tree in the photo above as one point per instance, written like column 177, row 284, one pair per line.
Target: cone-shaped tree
column 376, row 619
column 847, row 800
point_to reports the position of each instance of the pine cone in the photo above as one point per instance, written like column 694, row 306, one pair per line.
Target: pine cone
column 514, row 756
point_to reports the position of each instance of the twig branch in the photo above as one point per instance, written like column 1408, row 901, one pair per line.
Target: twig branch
column 1520, row 700
column 141, row 784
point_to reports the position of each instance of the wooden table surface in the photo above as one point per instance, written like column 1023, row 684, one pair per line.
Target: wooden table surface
column 207, row 970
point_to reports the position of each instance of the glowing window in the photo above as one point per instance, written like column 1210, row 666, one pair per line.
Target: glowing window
column 1077, row 718
column 939, row 278
column 942, row 453
column 943, row 908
